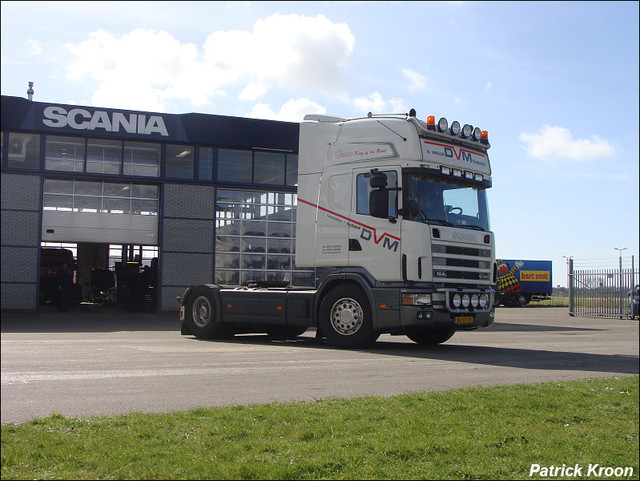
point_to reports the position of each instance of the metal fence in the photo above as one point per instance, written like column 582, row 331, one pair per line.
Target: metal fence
column 601, row 292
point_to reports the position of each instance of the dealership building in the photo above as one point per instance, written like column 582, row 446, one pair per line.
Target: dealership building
column 195, row 198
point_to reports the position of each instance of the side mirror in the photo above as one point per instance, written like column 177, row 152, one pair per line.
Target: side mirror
column 379, row 203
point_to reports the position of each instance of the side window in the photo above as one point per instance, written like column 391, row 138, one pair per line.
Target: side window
column 364, row 189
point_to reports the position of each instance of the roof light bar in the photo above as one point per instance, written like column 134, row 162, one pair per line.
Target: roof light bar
column 477, row 133
column 466, row 132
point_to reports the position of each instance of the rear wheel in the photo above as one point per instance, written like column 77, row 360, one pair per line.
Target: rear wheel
column 431, row 337
column 345, row 318
column 202, row 317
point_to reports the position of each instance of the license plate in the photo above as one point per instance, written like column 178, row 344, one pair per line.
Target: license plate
column 464, row 320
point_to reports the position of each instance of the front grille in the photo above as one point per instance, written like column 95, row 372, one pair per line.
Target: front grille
column 461, row 264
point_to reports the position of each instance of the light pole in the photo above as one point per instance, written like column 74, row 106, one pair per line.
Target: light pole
column 620, row 249
column 570, row 283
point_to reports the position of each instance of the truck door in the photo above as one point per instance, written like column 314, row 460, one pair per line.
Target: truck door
column 374, row 230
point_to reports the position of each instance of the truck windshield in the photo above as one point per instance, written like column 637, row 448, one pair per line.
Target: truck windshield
column 444, row 201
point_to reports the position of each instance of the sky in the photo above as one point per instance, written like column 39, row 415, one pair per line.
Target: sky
column 554, row 83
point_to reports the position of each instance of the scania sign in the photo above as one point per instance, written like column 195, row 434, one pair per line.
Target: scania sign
column 83, row 119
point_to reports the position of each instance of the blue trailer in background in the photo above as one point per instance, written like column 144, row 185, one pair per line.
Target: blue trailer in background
column 521, row 281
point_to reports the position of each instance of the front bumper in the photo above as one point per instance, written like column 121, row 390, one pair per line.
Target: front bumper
column 440, row 313
column 428, row 317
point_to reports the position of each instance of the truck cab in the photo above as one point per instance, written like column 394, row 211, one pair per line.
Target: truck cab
column 401, row 203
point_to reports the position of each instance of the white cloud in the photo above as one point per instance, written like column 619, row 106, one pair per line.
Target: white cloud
column 417, row 81
column 378, row 105
column 140, row 69
column 558, row 142
column 34, row 47
column 292, row 111
column 293, row 53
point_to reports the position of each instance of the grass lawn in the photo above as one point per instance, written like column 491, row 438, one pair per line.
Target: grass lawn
column 473, row 433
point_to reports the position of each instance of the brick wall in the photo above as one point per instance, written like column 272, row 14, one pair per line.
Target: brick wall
column 187, row 240
column 20, row 240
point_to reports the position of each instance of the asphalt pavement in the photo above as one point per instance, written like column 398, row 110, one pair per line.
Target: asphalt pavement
column 96, row 361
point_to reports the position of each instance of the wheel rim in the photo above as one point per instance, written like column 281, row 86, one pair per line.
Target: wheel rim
column 201, row 311
column 346, row 316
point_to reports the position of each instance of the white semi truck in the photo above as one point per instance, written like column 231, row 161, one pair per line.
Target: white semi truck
column 392, row 215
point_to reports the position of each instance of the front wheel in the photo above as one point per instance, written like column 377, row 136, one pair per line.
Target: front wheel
column 431, row 337
column 202, row 316
column 345, row 318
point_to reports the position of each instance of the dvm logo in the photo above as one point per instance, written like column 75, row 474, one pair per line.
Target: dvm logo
column 392, row 245
column 466, row 156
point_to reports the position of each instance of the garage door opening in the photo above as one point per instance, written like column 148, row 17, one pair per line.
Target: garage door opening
column 110, row 275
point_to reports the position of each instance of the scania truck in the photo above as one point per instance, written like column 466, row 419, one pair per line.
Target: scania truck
column 392, row 216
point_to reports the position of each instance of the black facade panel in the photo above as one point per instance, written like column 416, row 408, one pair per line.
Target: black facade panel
column 194, row 128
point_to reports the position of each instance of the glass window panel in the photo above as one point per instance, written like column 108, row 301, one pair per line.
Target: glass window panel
column 280, row 229
column 234, row 165
column 64, row 153
column 279, row 276
column 141, row 158
column 104, row 156
column 254, row 228
column 278, row 262
column 179, row 161
column 84, row 187
column 254, row 244
column 58, row 186
column 116, row 189
column 292, row 169
column 253, row 261
column 224, row 195
column 269, row 167
column 24, row 151
column 144, row 191
column 282, row 246
column 205, row 163
column 265, row 245
column 52, row 201
column 116, row 206
column 281, row 213
column 228, row 260
column 250, row 275
column 144, row 207
column 87, row 204
column 231, row 278
column 228, row 244
column 228, row 211
column 227, row 227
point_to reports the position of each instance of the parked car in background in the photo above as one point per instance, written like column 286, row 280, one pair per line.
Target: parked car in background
column 634, row 299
